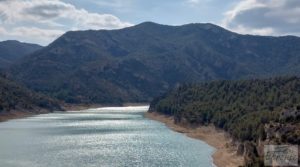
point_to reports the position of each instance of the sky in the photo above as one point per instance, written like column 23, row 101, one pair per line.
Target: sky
column 42, row 21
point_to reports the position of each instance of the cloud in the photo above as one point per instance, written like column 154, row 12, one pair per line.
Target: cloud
column 264, row 17
column 115, row 3
column 2, row 30
column 46, row 11
column 37, row 33
column 31, row 34
column 46, row 20
column 193, row 1
column 197, row 2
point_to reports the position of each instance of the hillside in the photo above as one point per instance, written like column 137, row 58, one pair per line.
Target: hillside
column 252, row 111
column 16, row 98
column 137, row 63
column 11, row 51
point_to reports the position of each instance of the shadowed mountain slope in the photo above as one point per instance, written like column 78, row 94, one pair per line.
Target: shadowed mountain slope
column 11, row 51
column 15, row 97
column 137, row 63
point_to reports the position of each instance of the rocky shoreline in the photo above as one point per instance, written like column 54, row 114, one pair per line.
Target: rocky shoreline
column 225, row 154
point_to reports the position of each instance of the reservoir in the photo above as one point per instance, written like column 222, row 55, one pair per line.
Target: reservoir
column 108, row 137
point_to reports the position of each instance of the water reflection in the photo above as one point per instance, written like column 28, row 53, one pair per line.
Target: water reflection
column 97, row 137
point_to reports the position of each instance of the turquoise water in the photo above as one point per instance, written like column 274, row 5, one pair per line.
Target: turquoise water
column 108, row 137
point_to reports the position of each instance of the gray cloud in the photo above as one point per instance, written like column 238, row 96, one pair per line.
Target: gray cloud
column 3, row 16
column 265, row 17
column 45, row 11
column 43, row 21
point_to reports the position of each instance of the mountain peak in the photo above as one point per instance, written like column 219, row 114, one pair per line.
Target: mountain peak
column 16, row 42
column 12, row 50
column 140, row 62
column 193, row 26
column 10, row 41
column 149, row 24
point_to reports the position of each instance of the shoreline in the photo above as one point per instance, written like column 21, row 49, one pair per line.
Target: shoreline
column 19, row 114
column 14, row 115
column 66, row 107
column 225, row 154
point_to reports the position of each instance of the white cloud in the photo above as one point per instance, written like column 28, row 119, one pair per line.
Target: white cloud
column 2, row 30
column 193, row 1
column 260, row 31
column 115, row 3
column 197, row 2
column 33, row 32
column 30, row 34
column 47, row 19
column 264, row 17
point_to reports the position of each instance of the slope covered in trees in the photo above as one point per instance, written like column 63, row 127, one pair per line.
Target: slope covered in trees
column 11, row 51
column 250, row 110
column 14, row 97
column 137, row 63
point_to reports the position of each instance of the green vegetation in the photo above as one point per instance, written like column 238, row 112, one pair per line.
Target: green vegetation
column 12, row 51
column 250, row 110
column 138, row 63
column 14, row 97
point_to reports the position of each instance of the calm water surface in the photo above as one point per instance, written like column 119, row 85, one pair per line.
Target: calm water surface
column 106, row 137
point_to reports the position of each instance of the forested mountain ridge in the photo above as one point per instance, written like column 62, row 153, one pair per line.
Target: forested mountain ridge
column 16, row 98
column 11, row 51
column 252, row 111
column 137, row 63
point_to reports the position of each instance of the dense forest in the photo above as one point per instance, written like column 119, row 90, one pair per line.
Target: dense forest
column 12, row 51
column 137, row 63
column 250, row 110
column 14, row 97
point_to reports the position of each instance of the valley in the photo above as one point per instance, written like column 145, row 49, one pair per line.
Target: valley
column 202, row 80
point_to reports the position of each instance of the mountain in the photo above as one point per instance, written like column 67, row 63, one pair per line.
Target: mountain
column 11, row 51
column 137, row 63
column 16, row 98
column 254, row 112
